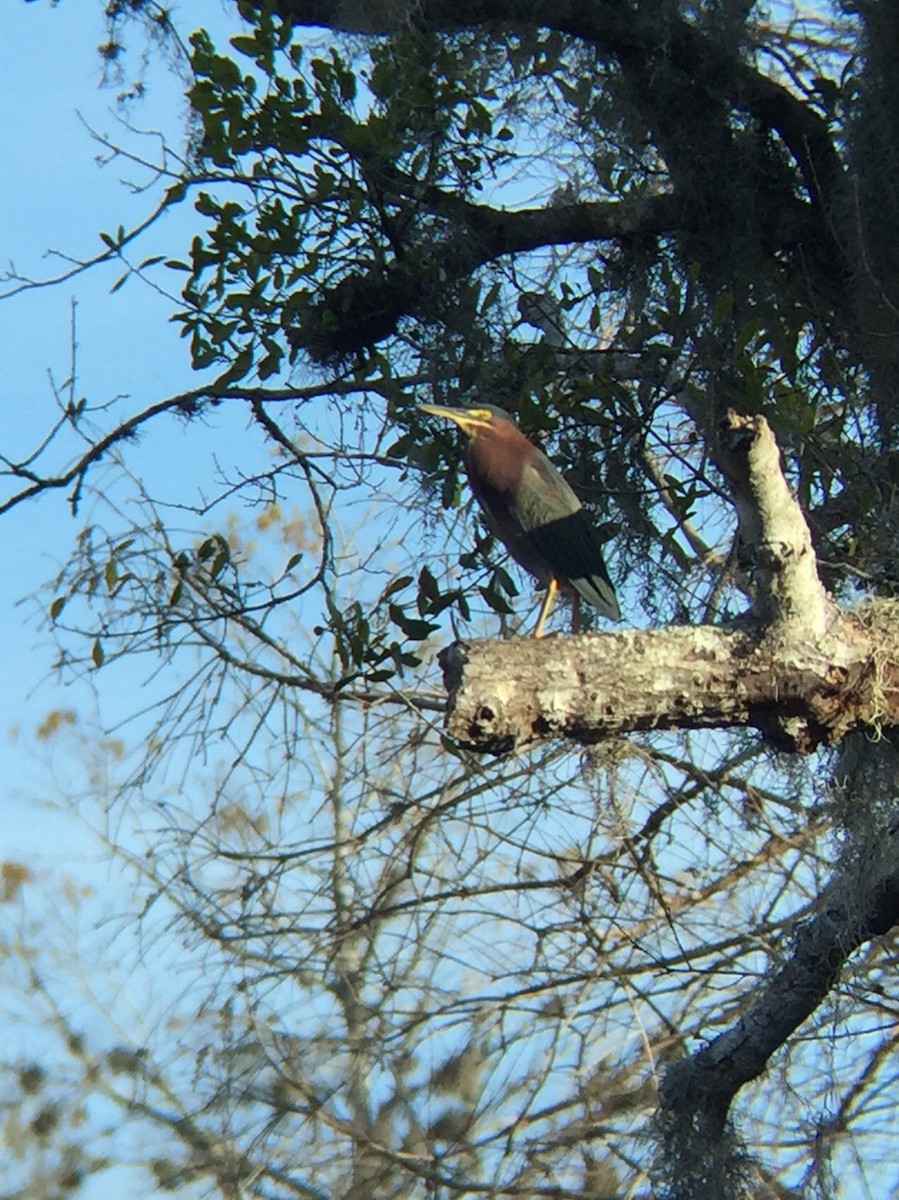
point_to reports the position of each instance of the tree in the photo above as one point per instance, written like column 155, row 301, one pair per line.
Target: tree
column 658, row 966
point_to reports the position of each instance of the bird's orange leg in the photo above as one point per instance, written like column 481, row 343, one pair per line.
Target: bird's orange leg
column 551, row 589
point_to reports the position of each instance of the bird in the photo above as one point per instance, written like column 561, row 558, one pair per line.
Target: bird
column 532, row 510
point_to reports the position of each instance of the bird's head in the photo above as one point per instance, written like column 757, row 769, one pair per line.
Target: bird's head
column 476, row 421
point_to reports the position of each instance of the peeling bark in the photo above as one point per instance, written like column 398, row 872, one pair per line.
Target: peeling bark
column 801, row 693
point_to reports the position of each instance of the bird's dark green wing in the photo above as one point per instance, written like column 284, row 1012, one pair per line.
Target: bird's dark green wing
column 561, row 532
column 542, row 494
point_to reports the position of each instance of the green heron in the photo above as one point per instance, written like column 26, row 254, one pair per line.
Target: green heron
column 532, row 510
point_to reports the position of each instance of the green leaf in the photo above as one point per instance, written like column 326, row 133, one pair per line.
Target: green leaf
column 722, row 309
column 748, row 330
column 396, row 585
column 450, row 746
column 380, row 676
column 216, row 549
column 412, row 627
column 428, row 585
column 504, row 580
column 122, row 580
column 246, row 45
column 490, row 299
column 240, row 367
column 497, row 602
column 218, row 564
column 206, row 206
column 270, row 363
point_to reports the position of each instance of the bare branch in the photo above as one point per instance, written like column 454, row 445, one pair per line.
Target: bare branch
column 185, row 404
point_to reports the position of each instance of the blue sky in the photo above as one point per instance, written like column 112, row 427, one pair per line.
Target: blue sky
column 58, row 197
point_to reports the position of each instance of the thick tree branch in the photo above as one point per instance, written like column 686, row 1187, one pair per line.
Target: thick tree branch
column 772, row 529
column 366, row 307
column 27, row 480
column 801, row 694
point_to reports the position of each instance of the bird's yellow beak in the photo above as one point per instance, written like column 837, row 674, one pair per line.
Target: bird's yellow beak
column 468, row 419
